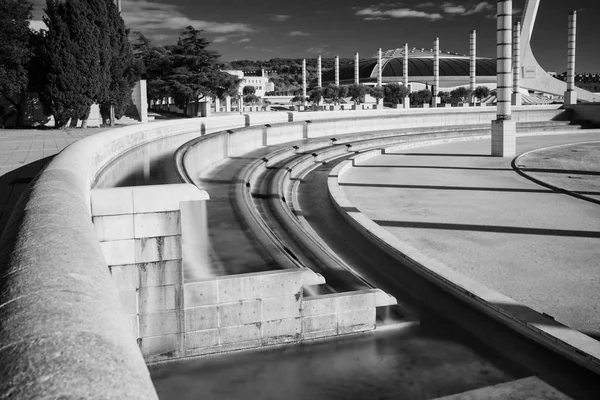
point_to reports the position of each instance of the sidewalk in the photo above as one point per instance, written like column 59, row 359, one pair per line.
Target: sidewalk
column 474, row 213
column 23, row 154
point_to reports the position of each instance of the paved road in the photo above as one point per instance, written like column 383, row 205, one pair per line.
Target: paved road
column 473, row 212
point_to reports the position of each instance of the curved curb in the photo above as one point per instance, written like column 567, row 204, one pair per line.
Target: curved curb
column 541, row 328
column 550, row 186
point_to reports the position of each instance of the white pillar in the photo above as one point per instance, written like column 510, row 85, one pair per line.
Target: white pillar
column 119, row 7
column 473, row 71
column 227, row 103
column 516, row 94
column 406, row 100
column 217, row 104
column 436, row 71
column 503, row 128
column 319, row 74
column 337, row 71
column 304, row 82
column 571, row 94
column 379, row 69
column 356, row 60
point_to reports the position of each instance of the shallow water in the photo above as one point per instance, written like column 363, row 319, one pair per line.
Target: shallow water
column 384, row 365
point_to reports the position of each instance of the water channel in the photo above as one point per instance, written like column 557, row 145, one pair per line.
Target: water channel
column 456, row 349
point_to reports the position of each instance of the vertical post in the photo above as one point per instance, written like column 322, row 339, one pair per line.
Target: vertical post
column 227, row 103
column 217, row 104
column 337, row 70
column 571, row 94
column 356, row 60
column 436, row 72
column 406, row 100
column 516, row 94
column 319, row 74
column 118, row 2
column 473, row 69
column 379, row 69
column 503, row 128
column 304, row 82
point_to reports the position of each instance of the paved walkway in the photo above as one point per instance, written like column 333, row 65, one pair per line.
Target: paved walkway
column 474, row 213
column 23, row 154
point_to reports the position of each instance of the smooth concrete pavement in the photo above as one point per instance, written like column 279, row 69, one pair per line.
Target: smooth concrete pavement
column 474, row 213
column 23, row 154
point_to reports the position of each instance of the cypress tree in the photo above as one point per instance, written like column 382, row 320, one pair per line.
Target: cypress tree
column 14, row 51
column 73, row 70
column 122, row 73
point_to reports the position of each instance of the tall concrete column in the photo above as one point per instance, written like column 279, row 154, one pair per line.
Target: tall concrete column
column 304, row 82
column 356, row 60
column 473, row 65
column 319, row 73
column 227, row 103
column 516, row 94
column 379, row 69
column 337, row 71
column 118, row 2
column 217, row 104
column 571, row 94
column 406, row 100
column 503, row 128
column 436, row 71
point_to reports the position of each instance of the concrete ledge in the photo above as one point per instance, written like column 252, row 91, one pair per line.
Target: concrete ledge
column 541, row 328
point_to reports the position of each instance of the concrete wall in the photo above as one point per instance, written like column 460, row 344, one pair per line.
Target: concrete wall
column 589, row 112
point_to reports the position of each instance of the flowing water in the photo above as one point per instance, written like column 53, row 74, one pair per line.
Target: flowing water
column 440, row 359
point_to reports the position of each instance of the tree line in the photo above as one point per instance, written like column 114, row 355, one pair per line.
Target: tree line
column 84, row 56
column 393, row 93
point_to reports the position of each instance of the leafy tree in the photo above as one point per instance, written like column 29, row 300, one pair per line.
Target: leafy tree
column 357, row 93
column 71, row 78
column 225, row 84
column 192, row 69
column 376, row 92
column 15, row 52
column 444, row 97
column 343, row 92
column 248, row 90
column 298, row 99
column 394, row 93
column 331, row 93
column 152, row 63
column 420, row 97
column 481, row 92
column 460, row 95
column 316, row 95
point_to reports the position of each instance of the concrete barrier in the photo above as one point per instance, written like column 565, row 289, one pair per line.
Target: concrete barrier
column 62, row 332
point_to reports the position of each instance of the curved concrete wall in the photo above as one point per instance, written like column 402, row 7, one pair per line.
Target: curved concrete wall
column 61, row 329
column 62, row 332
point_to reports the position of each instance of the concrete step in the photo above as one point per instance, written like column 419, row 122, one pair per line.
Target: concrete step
column 532, row 388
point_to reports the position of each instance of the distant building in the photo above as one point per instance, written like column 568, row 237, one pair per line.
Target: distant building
column 258, row 79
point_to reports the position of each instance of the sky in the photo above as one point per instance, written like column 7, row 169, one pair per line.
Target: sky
column 265, row 29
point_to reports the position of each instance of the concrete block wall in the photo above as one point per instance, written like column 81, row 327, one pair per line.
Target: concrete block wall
column 139, row 231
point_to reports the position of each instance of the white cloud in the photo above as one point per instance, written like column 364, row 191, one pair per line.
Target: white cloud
column 453, row 8
column 377, row 12
column 220, row 39
column 299, row 33
column 424, row 5
column 153, row 18
column 280, row 17
column 244, row 40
